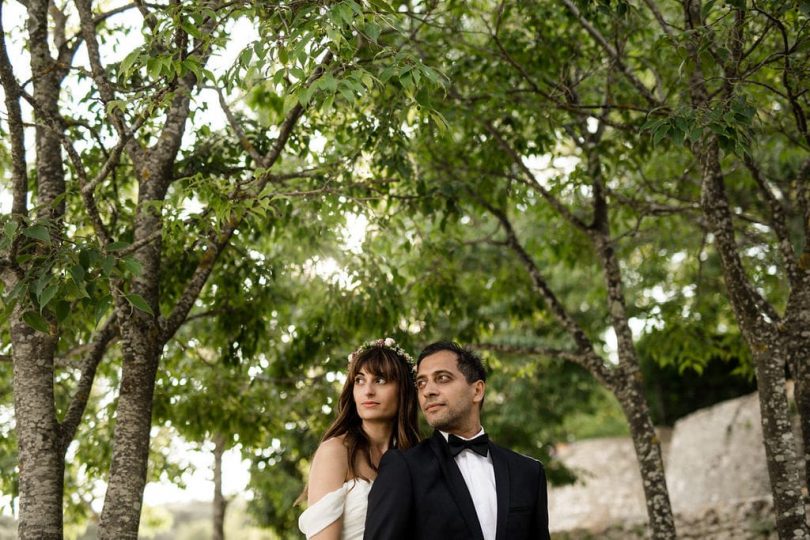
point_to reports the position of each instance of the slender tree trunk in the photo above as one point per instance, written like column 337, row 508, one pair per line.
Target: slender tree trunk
column 797, row 333
column 40, row 445
column 630, row 395
column 220, row 503
column 120, row 516
column 755, row 317
column 801, row 375
column 769, row 350
column 779, row 443
column 41, row 458
column 141, row 347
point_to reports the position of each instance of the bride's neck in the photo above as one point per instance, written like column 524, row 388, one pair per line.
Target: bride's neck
column 379, row 436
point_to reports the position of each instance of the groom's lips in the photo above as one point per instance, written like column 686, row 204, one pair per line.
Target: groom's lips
column 432, row 406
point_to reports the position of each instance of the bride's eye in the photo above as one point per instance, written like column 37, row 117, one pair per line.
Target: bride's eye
column 359, row 380
column 380, row 380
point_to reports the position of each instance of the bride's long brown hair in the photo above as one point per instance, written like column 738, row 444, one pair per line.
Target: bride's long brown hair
column 383, row 362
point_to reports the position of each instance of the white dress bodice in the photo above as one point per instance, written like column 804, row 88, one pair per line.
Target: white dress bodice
column 350, row 501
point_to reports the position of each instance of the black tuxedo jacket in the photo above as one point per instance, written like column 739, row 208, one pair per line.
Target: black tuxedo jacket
column 420, row 494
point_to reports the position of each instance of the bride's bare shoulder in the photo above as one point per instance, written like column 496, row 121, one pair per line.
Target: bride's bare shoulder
column 330, row 464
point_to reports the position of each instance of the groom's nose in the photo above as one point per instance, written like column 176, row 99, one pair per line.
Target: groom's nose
column 429, row 389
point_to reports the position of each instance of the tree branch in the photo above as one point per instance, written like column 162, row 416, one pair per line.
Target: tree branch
column 612, row 52
column 170, row 324
column 665, row 26
column 237, row 129
column 12, row 91
column 105, row 88
column 584, row 345
column 777, row 221
column 181, row 309
column 569, row 356
column 87, row 194
column 798, row 111
column 79, row 401
column 139, row 244
column 532, row 181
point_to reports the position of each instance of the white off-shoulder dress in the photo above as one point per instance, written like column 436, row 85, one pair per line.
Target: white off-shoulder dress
column 350, row 501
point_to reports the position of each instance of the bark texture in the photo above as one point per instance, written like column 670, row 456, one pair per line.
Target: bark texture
column 220, row 504
column 41, row 458
column 630, row 394
column 760, row 325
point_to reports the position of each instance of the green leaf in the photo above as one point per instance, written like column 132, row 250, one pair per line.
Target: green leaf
column 77, row 273
column 372, row 30
column 61, row 309
column 707, row 7
column 126, row 64
column 47, row 295
column 139, row 302
column 153, row 67
column 101, row 307
column 118, row 246
column 36, row 321
column 132, row 266
column 107, row 265
column 290, row 101
column 38, row 232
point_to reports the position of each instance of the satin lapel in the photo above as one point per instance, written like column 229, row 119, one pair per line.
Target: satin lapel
column 501, row 466
column 457, row 486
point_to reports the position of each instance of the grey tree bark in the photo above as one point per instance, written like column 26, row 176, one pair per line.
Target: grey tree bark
column 41, row 456
column 758, row 321
column 220, row 503
column 624, row 382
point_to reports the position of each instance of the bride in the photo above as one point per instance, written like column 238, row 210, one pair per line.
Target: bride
column 376, row 411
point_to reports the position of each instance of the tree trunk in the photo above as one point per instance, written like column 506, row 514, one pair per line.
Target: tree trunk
column 779, row 443
column 41, row 458
column 801, row 376
column 220, row 503
column 121, row 514
column 768, row 348
column 630, row 395
column 797, row 334
column 40, row 445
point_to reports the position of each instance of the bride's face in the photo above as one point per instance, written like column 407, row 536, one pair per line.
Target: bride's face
column 375, row 397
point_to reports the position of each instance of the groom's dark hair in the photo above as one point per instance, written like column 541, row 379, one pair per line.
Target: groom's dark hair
column 469, row 363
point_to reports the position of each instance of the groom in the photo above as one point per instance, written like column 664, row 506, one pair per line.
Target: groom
column 457, row 485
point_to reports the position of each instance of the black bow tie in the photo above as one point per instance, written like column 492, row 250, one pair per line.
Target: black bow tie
column 479, row 445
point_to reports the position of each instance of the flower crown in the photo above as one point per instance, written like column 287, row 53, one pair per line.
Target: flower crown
column 387, row 343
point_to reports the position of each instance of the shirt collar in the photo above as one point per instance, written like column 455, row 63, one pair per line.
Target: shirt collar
column 447, row 435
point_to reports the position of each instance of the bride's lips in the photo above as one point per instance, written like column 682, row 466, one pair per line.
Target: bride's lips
column 369, row 403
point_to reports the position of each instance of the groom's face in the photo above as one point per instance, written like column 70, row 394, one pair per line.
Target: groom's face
column 446, row 398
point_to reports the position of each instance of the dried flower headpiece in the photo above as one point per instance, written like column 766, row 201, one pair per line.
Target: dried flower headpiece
column 388, row 343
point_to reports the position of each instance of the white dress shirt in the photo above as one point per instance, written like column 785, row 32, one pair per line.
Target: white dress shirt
column 479, row 475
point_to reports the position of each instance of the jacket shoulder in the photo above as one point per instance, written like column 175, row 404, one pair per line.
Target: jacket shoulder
column 418, row 451
column 521, row 459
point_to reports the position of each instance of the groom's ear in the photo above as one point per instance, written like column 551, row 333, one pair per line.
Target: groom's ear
column 479, row 388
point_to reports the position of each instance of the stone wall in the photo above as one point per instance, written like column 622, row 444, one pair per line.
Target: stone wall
column 717, row 456
column 744, row 520
column 716, row 474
